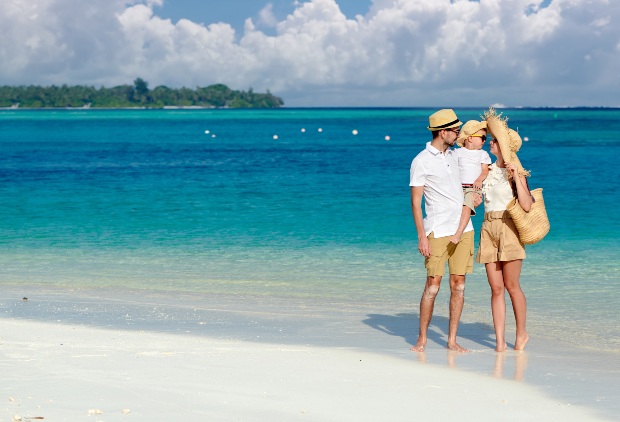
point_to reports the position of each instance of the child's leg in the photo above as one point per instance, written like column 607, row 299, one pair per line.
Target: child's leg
column 465, row 214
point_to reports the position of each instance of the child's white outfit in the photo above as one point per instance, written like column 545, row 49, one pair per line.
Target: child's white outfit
column 470, row 162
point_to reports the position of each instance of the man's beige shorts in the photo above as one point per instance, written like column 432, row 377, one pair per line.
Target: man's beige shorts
column 468, row 200
column 499, row 239
column 460, row 257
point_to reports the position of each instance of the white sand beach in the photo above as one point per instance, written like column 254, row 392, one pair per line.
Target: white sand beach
column 72, row 373
column 312, row 367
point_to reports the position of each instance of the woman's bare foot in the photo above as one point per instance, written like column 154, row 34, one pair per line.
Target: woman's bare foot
column 499, row 348
column 521, row 341
column 456, row 348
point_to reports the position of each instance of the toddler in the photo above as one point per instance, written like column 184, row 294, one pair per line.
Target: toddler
column 473, row 166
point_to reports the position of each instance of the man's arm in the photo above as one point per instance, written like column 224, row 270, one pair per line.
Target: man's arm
column 416, row 207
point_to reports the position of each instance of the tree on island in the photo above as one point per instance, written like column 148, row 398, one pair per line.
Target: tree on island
column 136, row 95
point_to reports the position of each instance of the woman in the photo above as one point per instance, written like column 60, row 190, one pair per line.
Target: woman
column 500, row 248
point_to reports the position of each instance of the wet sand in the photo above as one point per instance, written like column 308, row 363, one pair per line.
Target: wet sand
column 98, row 355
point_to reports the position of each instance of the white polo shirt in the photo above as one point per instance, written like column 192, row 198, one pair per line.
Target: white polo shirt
column 443, row 195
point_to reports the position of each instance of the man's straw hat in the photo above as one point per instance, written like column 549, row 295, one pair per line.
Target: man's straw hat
column 443, row 119
column 508, row 140
column 468, row 129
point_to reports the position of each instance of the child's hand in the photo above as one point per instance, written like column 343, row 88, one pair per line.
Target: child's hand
column 477, row 199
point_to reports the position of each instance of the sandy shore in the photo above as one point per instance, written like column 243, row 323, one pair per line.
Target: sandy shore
column 71, row 361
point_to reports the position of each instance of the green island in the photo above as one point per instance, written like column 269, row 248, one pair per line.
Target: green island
column 137, row 95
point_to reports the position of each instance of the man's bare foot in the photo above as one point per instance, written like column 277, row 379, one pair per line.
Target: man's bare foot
column 455, row 239
column 502, row 348
column 420, row 346
column 456, row 348
column 520, row 342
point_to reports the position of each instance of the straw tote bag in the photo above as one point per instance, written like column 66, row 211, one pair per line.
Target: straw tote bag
column 532, row 225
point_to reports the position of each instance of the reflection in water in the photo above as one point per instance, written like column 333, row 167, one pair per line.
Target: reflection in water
column 520, row 361
column 452, row 354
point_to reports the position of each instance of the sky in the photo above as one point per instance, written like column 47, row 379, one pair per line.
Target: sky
column 322, row 53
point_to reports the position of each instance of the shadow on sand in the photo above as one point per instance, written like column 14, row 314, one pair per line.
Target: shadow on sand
column 406, row 325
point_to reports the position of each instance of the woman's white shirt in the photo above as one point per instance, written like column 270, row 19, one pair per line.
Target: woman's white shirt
column 496, row 189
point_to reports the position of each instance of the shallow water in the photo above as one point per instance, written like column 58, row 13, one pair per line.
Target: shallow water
column 149, row 200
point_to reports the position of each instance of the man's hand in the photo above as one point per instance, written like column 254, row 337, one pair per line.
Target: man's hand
column 424, row 247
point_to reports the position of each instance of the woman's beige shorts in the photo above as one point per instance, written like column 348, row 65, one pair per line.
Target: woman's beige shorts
column 499, row 239
column 460, row 257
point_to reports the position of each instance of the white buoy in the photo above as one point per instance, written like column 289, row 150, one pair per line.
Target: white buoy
column 207, row 132
column 303, row 129
column 526, row 139
column 354, row 132
column 275, row 136
column 320, row 129
column 387, row 138
column 213, row 136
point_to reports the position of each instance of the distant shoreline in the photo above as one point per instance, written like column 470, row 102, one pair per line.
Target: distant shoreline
column 304, row 108
column 137, row 95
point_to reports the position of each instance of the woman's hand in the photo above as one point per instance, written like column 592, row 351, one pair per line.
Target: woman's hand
column 513, row 169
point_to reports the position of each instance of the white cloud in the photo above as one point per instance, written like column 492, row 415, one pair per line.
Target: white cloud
column 267, row 17
column 403, row 52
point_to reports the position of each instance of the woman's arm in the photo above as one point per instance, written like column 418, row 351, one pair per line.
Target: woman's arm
column 523, row 193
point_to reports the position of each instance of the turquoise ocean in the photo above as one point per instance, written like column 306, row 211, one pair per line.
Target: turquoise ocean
column 306, row 204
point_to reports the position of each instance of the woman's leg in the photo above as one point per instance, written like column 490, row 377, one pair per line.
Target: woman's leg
column 498, row 302
column 512, row 272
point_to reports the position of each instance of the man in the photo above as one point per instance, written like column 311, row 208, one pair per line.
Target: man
column 435, row 176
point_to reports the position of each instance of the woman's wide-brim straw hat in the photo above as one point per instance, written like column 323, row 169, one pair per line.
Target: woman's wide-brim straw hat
column 443, row 119
column 468, row 129
column 508, row 140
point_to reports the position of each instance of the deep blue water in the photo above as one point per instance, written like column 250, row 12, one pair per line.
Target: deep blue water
column 148, row 199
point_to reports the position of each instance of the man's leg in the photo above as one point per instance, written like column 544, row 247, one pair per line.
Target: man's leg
column 427, row 304
column 461, row 262
column 457, row 299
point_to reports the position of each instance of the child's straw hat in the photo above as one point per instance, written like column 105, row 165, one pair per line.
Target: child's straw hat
column 468, row 129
